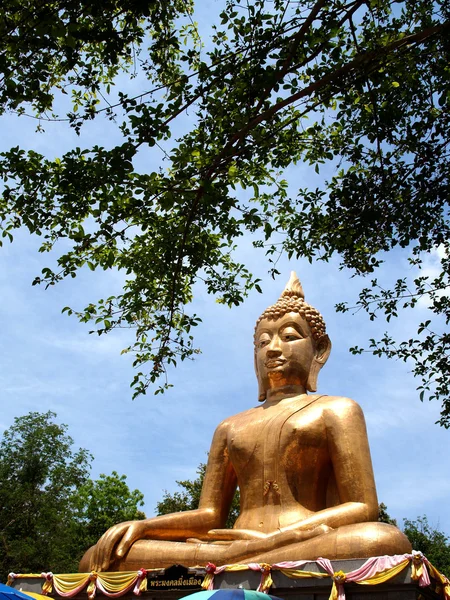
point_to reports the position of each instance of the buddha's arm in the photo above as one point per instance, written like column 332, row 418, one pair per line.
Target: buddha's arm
column 219, row 486
column 217, row 493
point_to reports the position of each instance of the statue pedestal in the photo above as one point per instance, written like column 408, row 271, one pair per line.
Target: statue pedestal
column 400, row 587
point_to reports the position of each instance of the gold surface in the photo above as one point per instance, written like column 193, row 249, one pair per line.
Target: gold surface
column 301, row 461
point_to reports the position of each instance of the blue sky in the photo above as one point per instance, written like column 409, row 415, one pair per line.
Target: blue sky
column 49, row 362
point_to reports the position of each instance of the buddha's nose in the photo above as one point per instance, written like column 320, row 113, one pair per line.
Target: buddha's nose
column 274, row 347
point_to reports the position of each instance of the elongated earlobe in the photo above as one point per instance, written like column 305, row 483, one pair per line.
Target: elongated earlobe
column 311, row 384
column 261, row 390
column 323, row 349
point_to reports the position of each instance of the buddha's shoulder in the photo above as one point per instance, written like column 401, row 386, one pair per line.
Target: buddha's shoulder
column 338, row 405
column 231, row 421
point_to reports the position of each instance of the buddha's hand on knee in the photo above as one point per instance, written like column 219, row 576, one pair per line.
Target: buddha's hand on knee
column 115, row 543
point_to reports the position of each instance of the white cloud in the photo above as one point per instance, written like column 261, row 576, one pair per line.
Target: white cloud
column 89, row 345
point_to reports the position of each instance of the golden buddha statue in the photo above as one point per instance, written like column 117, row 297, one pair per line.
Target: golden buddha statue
column 301, row 461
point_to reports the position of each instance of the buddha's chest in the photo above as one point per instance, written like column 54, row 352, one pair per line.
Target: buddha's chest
column 269, row 439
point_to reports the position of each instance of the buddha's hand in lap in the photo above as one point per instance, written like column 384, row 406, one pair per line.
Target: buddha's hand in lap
column 236, row 534
column 116, row 542
column 274, row 539
column 243, row 543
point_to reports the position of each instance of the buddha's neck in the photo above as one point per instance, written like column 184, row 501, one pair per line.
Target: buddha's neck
column 274, row 395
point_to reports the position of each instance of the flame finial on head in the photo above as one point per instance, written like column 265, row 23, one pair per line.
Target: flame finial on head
column 293, row 300
column 294, row 287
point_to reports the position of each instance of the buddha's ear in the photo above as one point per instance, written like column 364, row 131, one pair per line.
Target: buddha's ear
column 323, row 349
column 262, row 394
column 261, row 390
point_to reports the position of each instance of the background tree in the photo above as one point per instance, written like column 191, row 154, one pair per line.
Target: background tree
column 384, row 517
column 98, row 505
column 359, row 88
column 51, row 511
column 189, row 497
column 429, row 540
column 434, row 544
column 39, row 472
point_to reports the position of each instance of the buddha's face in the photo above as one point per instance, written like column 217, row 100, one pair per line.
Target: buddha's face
column 285, row 352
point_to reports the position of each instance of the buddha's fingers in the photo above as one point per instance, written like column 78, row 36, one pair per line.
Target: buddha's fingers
column 321, row 529
column 307, row 534
column 104, row 549
column 135, row 531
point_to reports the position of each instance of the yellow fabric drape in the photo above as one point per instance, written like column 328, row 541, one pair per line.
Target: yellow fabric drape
column 334, row 591
column 442, row 580
column 112, row 582
column 385, row 575
column 207, row 580
column 297, row 574
column 339, row 577
column 47, row 587
column 266, row 581
column 70, row 581
column 416, row 571
column 266, row 577
column 92, row 588
column 236, row 568
column 115, row 582
column 143, row 585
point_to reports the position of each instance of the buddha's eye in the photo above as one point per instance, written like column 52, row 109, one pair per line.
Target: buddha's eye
column 263, row 341
column 290, row 335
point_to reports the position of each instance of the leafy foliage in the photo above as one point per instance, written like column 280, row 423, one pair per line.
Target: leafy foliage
column 98, row 505
column 51, row 510
column 383, row 515
column 189, row 497
column 361, row 87
column 429, row 540
column 434, row 544
column 53, row 46
column 39, row 473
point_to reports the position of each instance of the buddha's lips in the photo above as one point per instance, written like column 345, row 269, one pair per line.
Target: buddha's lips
column 274, row 362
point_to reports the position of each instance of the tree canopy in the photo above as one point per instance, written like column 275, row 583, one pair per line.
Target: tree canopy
column 356, row 89
column 51, row 510
column 430, row 541
column 424, row 537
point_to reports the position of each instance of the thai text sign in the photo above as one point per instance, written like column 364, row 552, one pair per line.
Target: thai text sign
column 175, row 578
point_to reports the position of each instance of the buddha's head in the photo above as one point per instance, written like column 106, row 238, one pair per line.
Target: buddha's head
column 291, row 345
